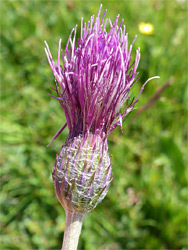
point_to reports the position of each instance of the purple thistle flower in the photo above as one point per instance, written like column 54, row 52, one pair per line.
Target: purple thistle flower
column 92, row 84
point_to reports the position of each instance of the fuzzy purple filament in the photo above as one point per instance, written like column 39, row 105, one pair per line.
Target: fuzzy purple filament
column 96, row 77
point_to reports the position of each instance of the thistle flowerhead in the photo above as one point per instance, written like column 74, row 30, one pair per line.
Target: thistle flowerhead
column 93, row 81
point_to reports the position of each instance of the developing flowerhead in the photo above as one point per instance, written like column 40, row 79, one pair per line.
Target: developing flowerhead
column 92, row 84
column 82, row 173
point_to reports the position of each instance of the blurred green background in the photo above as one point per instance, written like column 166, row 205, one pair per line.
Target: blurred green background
column 146, row 206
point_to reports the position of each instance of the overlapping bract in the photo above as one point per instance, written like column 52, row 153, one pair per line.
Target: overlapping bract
column 82, row 173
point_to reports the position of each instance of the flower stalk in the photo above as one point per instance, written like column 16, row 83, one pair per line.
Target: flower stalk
column 73, row 225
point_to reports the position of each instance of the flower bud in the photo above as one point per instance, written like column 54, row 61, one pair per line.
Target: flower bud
column 82, row 172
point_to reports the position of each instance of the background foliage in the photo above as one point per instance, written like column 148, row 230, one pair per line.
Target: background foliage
column 146, row 205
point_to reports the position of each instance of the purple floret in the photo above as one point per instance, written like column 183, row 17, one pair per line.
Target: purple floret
column 95, row 78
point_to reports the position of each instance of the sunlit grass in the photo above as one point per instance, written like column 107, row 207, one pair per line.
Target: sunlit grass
column 149, row 157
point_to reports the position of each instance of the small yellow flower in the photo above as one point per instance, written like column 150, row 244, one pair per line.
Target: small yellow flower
column 146, row 28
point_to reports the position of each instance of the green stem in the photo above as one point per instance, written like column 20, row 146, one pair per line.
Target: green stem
column 72, row 231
